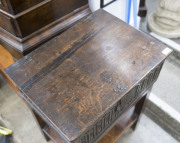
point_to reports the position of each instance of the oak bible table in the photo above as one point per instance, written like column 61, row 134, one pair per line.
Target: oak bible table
column 90, row 83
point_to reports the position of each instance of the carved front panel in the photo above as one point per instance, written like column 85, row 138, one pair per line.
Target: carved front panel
column 113, row 114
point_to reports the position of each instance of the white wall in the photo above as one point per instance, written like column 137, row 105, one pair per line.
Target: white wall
column 94, row 4
column 117, row 9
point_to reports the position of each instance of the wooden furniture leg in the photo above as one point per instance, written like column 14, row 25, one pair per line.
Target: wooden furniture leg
column 142, row 8
column 139, row 108
column 41, row 123
column 129, row 119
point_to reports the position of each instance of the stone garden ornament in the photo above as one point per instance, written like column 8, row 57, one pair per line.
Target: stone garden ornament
column 165, row 21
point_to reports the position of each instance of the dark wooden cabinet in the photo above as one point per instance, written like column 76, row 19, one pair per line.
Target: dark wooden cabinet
column 3, row 5
column 40, row 15
column 7, row 23
column 24, row 24
column 17, row 6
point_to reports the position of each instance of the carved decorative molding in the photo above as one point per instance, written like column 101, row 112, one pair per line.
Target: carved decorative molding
column 113, row 114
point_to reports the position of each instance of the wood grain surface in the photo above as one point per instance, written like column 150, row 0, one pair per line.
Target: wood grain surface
column 22, row 33
column 125, row 122
column 76, row 78
column 17, row 6
column 42, row 14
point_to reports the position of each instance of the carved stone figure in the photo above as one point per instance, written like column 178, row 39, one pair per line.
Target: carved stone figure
column 165, row 21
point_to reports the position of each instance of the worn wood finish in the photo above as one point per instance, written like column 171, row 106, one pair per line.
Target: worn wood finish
column 7, row 23
column 20, row 47
column 139, row 107
column 91, row 74
column 126, row 121
column 52, row 135
column 3, row 5
column 44, row 19
column 17, row 6
column 142, row 8
column 41, row 124
column 35, row 18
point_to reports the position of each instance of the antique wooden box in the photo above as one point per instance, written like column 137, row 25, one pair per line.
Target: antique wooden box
column 25, row 24
column 83, row 81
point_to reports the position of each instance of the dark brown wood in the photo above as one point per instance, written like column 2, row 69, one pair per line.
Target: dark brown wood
column 142, row 8
column 83, row 80
column 41, row 124
column 138, row 109
column 140, row 106
column 3, row 5
column 7, row 23
column 125, row 122
column 113, row 134
column 34, row 19
column 52, row 135
column 103, row 4
column 17, row 6
column 38, row 22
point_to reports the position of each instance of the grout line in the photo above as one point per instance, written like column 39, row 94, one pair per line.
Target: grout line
column 168, row 128
column 167, row 41
column 163, row 115
column 165, row 107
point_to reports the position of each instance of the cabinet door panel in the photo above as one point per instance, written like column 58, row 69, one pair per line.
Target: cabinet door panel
column 21, row 5
column 16, row 6
column 7, row 24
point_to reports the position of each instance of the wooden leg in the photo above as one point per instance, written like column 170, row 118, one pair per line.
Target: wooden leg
column 142, row 8
column 41, row 123
column 139, row 108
